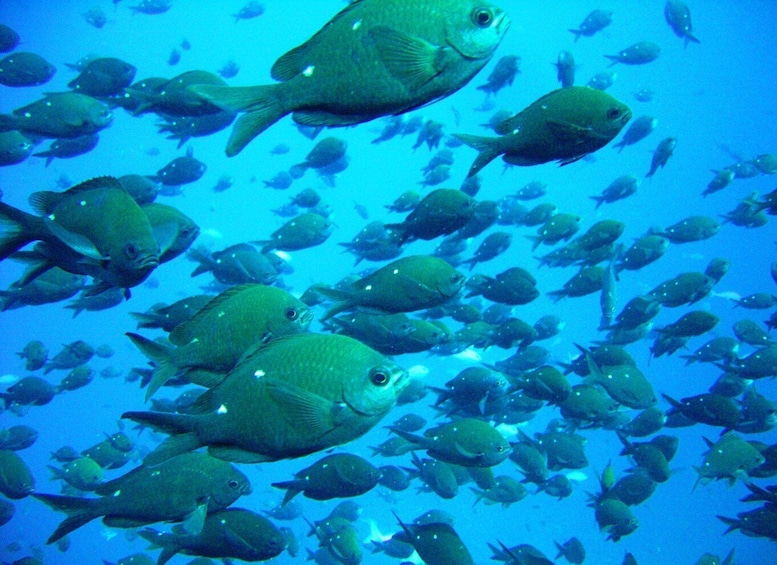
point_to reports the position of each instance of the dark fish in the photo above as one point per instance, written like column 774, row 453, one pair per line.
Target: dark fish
column 405, row 285
column 662, row 154
column 620, row 188
column 96, row 17
column 184, row 488
column 637, row 131
column 35, row 354
column 425, row 51
column 437, row 543
column 65, row 114
column 603, row 80
column 237, row 264
column 270, row 409
column 564, row 125
column 152, row 7
column 83, row 473
column 441, row 212
column 211, row 343
column 9, row 39
column 503, row 74
column 572, row 550
column 234, row 533
column 105, row 76
column 14, row 147
column 593, row 22
column 615, row 518
column 637, row 54
column 69, row 148
column 181, row 170
column 173, row 97
column 337, row 475
column 692, row 228
column 301, row 232
column 565, row 69
column 16, row 480
column 250, row 11
column 25, row 69
column 94, row 228
column 515, row 286
column 229, row 69
column 678, row 16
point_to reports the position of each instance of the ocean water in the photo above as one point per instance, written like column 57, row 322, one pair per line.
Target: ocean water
column 716, row 97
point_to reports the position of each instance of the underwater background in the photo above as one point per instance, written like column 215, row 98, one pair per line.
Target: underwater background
column 716, row 97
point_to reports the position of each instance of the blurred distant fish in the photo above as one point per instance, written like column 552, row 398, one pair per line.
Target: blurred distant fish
column 25, row 69
column 421, row 52
column 152, row 7
column 678, row 16
column 503, row 74
column 637, row 54
column 593, row 22
column 249, row 11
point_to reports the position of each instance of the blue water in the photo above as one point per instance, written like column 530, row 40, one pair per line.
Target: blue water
column 720, row 92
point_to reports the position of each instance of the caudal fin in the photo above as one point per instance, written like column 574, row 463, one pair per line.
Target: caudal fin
column 183, row 436
column 262, row 109
column 161, row 356
column 13, row 232
column 488, row 149
column 80, row 511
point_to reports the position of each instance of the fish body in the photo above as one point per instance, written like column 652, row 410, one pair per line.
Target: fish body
column 595, row 21
column 187, row 486
column 25, row 69
column 374, row 58
column 294, row 396
column 408, row 284
column 637, row 54
column 678, row 16
column 564, row 125
column 59, row 115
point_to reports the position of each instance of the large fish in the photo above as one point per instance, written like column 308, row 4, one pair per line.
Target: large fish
column 185, row 489
column 211, row 343
column 94, row 228
column 564, row 125
column 374, row 58
column 294, row 396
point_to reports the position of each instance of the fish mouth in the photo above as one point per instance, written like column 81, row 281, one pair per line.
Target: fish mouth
column 148, row 262
column 306, row 318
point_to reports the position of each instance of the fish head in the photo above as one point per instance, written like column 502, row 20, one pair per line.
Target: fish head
column 99, row 114
column 611, row 119
column 134, row 261
column 230, row 485
column 475, row 28
column 375, row 389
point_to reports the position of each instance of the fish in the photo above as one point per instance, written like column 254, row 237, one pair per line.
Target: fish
column 22, row 69
column 59, row 115
column 422, row 51
column 16, row 479
column 232, row 533
column 184, row 488
column 678, row 16
column 408, row 284
column 564, row 125
column 337, row 475
column 294, row 396
column 594, row 22
column 104, row 76
column 637, row 54
column 441, row 212
column 94, row 228
column 210, row 344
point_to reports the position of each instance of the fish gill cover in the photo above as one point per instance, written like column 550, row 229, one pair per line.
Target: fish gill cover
column 567, row 354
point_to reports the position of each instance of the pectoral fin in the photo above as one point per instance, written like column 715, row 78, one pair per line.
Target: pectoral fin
column 194, row 521
column 567, row 131
column 307, row 410
column 411, row 60
column 74, row 241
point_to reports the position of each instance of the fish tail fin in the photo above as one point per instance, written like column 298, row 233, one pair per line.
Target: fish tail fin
column 145, row 320
column 598, row 199
column 612, row 58
column 79, row 510
column 182, row 429
column 14, row 230
column 159, row 539
column 161, row 356
column 7, row 122
column 732, row 523
column 341, row 296
column 488, row 149
column 262, row 109
column 557, row 295
column 577, row 33
column 690, row 37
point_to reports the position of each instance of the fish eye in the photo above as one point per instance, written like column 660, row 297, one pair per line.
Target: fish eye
column 500, row 448
column 130, row 251
column 613, row 113
column 482, row 17
column 233, row 484
column 379, row 377
column 291, row 314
